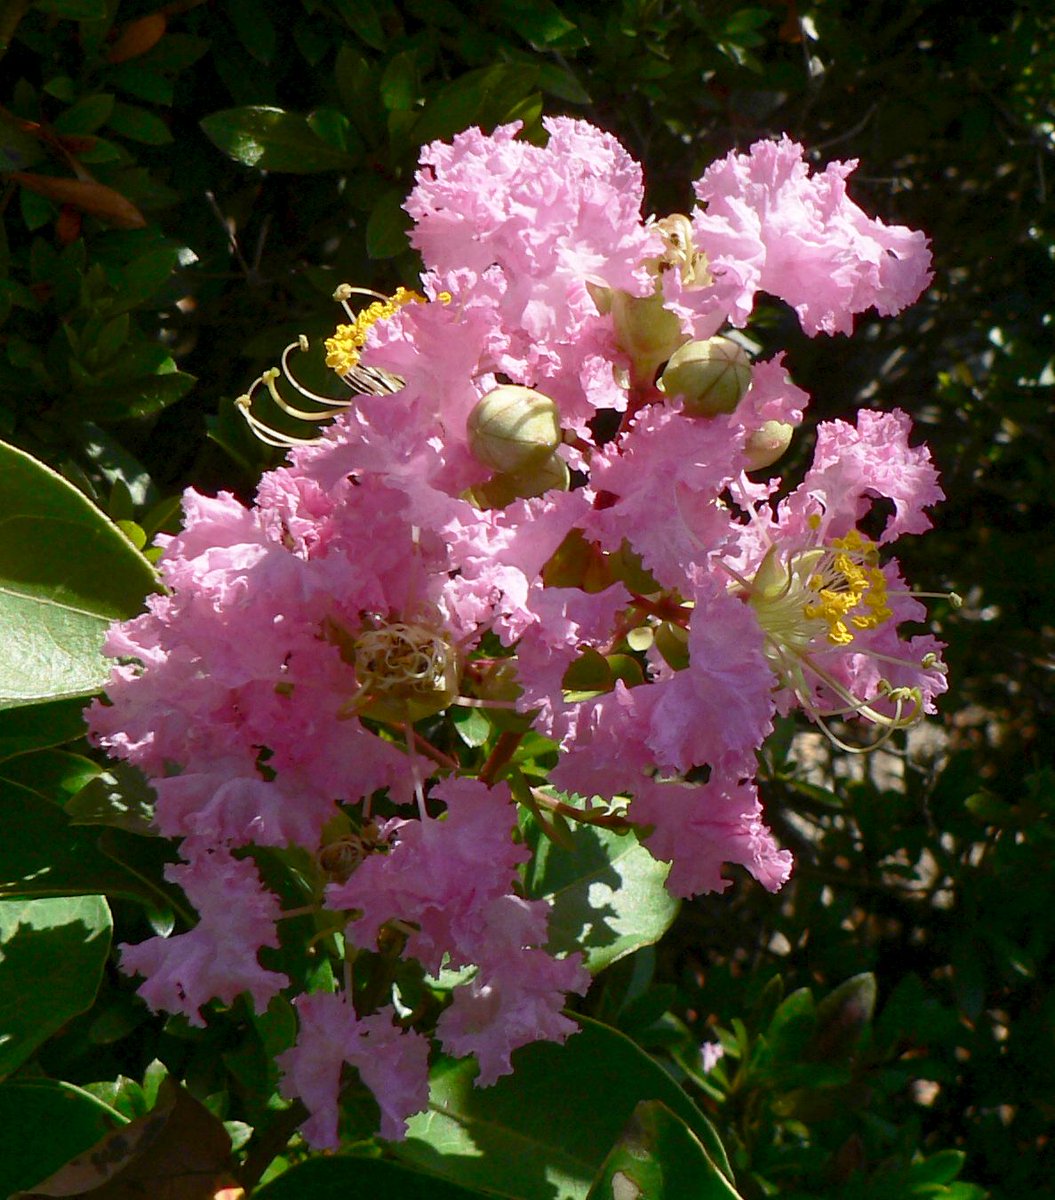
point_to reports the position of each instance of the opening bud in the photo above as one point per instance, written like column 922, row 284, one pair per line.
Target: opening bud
column 768, row 443
column 514, row 429
column 646, row 331
column 507, row 486
column 710, row 377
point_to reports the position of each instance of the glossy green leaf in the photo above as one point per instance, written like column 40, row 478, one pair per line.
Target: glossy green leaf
column 65, row 574
column 139, row 125
column 658, row 1157
column 37, row 726
column 471, row 725
column 273, row 140
column 86, row 116
column 608, row 896
column 144, row 397
column 54, row 774
column 43, row 854
column 545, row 1130
column 541, row 23
column 482, row 97
column 119, row 796
column 52, row 954
column 45, row 1124
column 399, row 84
column 361, row 1179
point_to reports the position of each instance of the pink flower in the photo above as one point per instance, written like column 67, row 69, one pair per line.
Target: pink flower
column 717, row 711
column 393, row 1063
column 217, row 959
column 711, row 1054
column 492, row 1016
column 769, row 226
column 442, row 875
column 698, row 828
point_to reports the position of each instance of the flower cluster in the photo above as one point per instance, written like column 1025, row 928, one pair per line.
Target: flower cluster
column 547, row 494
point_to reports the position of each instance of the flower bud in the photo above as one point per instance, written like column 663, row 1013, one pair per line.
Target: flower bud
column 539, row 477
column 767, row 443
column 514, row 429
column 711, row 377
column 646, row 332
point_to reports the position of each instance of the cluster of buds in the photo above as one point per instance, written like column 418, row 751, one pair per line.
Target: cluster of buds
column 539, row 497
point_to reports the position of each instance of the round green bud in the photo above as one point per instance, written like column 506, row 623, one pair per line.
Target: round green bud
column 768, row 443
column 710, row 377
column 513, row 428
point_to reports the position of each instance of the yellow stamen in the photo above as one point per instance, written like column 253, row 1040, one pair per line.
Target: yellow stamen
column 343, row 349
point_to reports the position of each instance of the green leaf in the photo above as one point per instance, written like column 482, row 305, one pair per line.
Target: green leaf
column 56, row 775
column 273, row 140
column 541, row 23
column 36, row 210
column 657, row 1156
column 545, row 1130
column 399, row 84
column 607, row 896
column 336, row 130
column 386, row 229
column 119, row 796
column 131, row 121
column 471, row 725
column 104, row 400
column 86, row 116
column 43, row 854
column 65, row 574
column 45, row 1124
column 939, row 1168
column 790, row 1031
column 52, row 954
column 118, row 467
column 254, row 28
column 18, row 149
column 37, row 726
column 560, row 82
column 360, row 1179
column 482, row 97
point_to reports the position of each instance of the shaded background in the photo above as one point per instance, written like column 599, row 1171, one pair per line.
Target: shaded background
column 201, row 234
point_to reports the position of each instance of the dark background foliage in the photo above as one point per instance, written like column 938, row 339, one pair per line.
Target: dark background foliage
column 163, row 237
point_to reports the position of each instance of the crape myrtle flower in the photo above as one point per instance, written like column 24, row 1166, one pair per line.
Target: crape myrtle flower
column 548, row 490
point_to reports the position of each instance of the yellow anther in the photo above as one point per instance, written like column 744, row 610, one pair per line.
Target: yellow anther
column 343, row 349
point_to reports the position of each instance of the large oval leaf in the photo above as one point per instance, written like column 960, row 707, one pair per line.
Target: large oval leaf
column 45, row 1124
column 545, row 1130
column 273, row 140
column 361, row 1179
column 52, row 954
column 607, row 893
column 43, row 854
column 659, row 1156
column 66, row 573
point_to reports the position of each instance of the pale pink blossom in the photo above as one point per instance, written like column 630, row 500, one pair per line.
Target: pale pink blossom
column 392, row 1063
column 217, row 959
column 770, row 226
